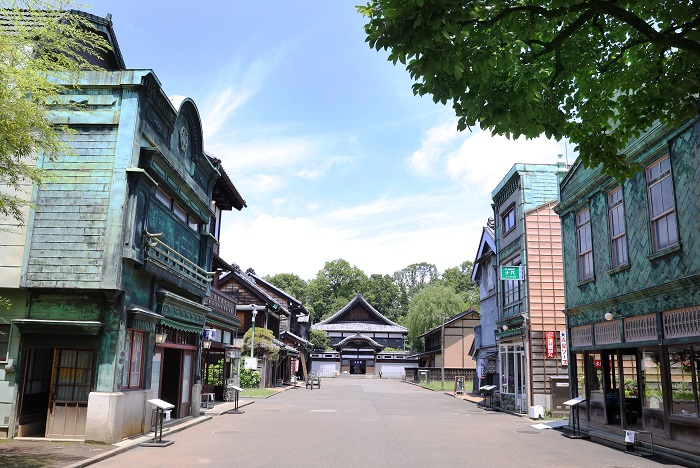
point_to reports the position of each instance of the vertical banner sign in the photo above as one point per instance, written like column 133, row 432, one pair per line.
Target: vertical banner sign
column 564, row 349
column 550, row 344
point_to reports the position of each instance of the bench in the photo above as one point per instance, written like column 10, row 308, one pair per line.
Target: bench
column 313, row 380
column 206, row 399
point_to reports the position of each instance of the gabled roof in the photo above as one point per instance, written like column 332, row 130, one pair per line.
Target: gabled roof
column 292, row 301
column 225, row 193
column 358, row 300
column 294, row 337
column 487, row 245
column 469, row 313
column 358, row 337
column 249, row 283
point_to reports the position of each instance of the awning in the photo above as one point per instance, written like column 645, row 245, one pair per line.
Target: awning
column 220, row 324
column 61, row 327
column 182, row 326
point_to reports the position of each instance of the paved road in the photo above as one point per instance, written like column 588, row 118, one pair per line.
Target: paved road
column 371, row 422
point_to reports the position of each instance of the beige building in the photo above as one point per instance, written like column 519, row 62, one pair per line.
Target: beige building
column 459, row 339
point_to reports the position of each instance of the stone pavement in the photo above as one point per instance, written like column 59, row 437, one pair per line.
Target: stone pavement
column 40, row 452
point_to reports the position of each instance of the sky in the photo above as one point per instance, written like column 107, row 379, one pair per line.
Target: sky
column 321, row 135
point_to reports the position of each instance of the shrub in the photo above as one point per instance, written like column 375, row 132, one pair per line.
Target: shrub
column 250, row 378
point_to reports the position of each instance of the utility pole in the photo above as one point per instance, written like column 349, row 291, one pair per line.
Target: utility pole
column 442, row 352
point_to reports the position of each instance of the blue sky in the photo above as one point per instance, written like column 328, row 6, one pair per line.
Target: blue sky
column 321, row 135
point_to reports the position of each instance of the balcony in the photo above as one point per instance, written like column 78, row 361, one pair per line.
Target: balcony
column 160, row 254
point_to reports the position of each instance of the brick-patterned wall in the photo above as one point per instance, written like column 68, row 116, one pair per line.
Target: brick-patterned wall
column 541, row 366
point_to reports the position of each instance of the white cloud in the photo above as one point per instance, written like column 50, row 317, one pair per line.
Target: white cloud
column 432, row 149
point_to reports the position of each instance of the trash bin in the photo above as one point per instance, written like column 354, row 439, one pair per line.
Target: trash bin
column 423, row 376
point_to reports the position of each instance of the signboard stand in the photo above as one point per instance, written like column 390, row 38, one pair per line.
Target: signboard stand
column 488, row 389
column 235, row 410
column 459, row 385
column 576, row 424
column 161, row 408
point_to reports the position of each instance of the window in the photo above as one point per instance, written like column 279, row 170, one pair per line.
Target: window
column 662, row 208
column 585, row 245
column 133, row 359
column 651, row 374
column 179, row 211
column 163, row 197
column 618, row 229
column 683, row 365
column 512, row 292
column 508, row 220
column 4, row 341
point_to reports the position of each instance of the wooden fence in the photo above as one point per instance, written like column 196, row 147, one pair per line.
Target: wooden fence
column 435, row 373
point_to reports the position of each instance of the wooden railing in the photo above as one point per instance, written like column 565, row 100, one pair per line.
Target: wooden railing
column 158, row 252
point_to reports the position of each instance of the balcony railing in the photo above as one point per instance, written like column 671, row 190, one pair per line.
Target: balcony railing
column 161, row 254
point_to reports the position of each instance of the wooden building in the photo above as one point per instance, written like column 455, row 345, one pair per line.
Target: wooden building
column 458, row 333
column 531, row 298
column 632, row 269
column 358, row 334
column 117, row 253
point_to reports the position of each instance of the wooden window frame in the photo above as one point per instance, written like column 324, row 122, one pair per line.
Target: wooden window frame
column 654, row 179
column 585, row 254
column 128, row 372
column 616, row 209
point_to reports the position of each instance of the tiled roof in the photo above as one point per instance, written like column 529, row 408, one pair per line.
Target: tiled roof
column 249, row 283
column 362, row 301
column 357, row 336
column 293, row 302
column 295, row 337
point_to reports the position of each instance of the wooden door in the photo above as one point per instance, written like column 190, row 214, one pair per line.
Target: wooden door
column 71, row 383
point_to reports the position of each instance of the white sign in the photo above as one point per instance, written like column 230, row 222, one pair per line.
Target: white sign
column 629, row 436
column 209, row 334
column 251, row 363
column 564, row 349
column 481, row 368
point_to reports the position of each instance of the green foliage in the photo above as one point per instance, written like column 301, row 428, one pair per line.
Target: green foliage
column 596, row 72
column 250, row 378
column 431, row 305
column 383, row 293
column 215, row 373
column 291, row 284
column 460, row 280
column 412, row 279
column 334, row 286
column 318, row 338
column 263, row 343
column 38, row 50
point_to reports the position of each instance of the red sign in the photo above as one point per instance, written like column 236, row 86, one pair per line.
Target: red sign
column 597, row 363
column 550, row 343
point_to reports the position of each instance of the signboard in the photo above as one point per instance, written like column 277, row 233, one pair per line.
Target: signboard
column 491, row 366
column 511, row 273
column 481, row 368
column 251, row 363
column 209, row 334
column 459, row 385
column 564, row 349
column 233, row 353
column 550, row 345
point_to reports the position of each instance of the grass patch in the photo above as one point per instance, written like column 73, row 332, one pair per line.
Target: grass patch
column 257, row 392
column 449, row 386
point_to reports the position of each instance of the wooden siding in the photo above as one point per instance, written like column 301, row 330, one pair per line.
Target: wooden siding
column 545, row 273
column 69, row 228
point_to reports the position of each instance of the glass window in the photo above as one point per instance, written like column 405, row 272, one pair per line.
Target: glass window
column 163, row 197
column 133, row 359
column 651, row 375
column 4, row 341
column 618, row 229
column 508, row 220
column 684, row 391
column 662, row 207
column 585, row 245
column 595, row 377
column 180, row 212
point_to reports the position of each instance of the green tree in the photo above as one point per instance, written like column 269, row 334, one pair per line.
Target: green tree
column 383, row 294
column 318, row 338
column 412, row 279
column 290, row 283
column 597, row 72
column 41, row 46
column 334, row 286
column 263, row 343
column 430, row 306
column 460, row 280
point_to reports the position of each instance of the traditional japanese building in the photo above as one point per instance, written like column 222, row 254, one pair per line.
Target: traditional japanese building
column 632, row 269
column 115, row 265
column 358, row 334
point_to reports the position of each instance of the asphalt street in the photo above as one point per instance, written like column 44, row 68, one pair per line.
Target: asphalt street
column 371, row 422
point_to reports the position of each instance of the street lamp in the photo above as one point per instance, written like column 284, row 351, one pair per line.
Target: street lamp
column 252, row 336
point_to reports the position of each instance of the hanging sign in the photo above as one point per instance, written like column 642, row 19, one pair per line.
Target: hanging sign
column 550, row 344
column 564, row 349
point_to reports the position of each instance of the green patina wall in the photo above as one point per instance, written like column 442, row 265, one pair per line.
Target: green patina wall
column 651, row 283
column 176, row 234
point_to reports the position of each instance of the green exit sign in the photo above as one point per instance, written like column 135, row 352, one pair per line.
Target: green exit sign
column 512, row 273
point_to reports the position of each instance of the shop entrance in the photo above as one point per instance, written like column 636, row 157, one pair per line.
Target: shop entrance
column 358, row 366
column 621, row 382
column 176, row 379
